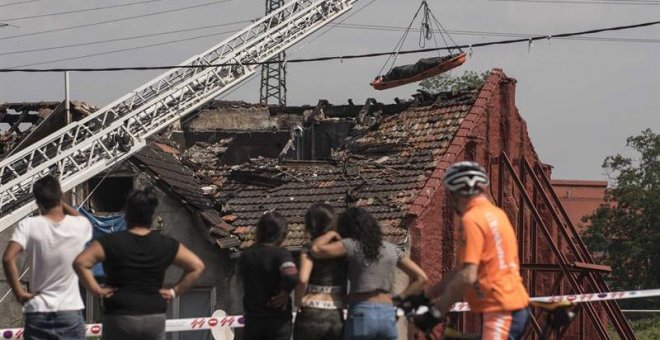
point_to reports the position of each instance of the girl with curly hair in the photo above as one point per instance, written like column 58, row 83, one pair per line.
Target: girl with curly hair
column 371, row 263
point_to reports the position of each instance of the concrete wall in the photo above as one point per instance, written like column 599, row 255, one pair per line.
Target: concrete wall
column 220, row 271
column 234, row 118
column 229, row 116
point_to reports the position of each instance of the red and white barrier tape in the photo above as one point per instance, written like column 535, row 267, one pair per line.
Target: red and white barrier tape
column 237, row 321
column 577, row 298
column 173, row 325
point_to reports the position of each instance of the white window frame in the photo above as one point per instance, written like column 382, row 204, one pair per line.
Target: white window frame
column 176, row 306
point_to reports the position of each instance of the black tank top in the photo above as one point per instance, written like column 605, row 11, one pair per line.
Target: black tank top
column 327, row 272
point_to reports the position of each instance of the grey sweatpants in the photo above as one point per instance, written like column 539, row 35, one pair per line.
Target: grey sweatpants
column 134, row 327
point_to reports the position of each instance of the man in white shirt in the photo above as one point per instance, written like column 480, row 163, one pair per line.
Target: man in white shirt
column 53, row 306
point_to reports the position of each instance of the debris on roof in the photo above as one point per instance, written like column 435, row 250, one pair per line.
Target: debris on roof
column 383, row 163
column 21, row 124
column 161, row 162
column 375, row 156
column 206, row 160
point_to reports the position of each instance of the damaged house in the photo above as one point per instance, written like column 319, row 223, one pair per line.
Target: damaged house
column 220, row 170
column 234, row 161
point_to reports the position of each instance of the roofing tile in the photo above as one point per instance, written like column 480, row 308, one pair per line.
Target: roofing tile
column 382, row 168
column 170, row 171
column 393, row 161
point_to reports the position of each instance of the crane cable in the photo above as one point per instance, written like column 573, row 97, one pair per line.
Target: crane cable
column 426, row 32
column 399, row 45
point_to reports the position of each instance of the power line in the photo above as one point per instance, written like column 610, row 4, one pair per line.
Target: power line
column 17, row 3
column 340, row 25
column 579, row 38
column 2, row 25
column 124, row 38
column 80, row 10
column 332, row 26
column 126, row 49
column 142, row 46
column 242, row 84
column 613, row 2
column 144, row 36
column 115, row 20
column 344, row 57
column 488, row 33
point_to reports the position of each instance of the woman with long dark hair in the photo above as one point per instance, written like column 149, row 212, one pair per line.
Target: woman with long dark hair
column 321, row 288
column 371, row 264
column 269, row 275
column 135, row 260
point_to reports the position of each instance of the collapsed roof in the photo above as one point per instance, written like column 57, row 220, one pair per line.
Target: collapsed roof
column 27, row 122
column 233, row 161
column 238, row 160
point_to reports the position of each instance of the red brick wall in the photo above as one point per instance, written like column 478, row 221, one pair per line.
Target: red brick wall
column 492, row 126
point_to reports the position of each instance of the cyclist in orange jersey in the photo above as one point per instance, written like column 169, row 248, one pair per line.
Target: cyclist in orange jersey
column 487, row 272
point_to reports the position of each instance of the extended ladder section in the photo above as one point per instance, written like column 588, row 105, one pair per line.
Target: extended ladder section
column 86, row 148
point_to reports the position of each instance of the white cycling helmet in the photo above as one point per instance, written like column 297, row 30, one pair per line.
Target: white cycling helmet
column 465, row 178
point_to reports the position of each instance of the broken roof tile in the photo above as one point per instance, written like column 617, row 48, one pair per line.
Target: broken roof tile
column 172, row 173
column 387, row 167
column 382, row 168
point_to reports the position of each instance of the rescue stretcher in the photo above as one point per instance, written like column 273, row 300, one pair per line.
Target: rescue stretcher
column 424, row 68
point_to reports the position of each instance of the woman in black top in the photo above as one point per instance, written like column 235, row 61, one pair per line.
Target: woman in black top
column 135, row 261
column 269, row 275
column 321, row 286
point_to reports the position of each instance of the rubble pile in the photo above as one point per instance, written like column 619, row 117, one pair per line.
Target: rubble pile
column 81, row 109
column 204, row 155
column 205, row 159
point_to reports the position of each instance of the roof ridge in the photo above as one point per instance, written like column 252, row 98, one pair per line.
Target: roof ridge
column 434, row 181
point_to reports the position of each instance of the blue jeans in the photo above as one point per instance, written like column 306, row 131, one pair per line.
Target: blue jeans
column 367, row 320
column 519, row 321
column 63, row 325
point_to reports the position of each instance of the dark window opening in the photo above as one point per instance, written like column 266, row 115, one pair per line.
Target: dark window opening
column 252, row 145
column 471, row 151
column 316, row 141
column 110, row 194
column 505, row 135
column 328, row 135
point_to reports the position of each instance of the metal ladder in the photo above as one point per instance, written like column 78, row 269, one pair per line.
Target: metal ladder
column 86, row 148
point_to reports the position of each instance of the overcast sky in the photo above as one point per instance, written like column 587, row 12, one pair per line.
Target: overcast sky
column 580, row 98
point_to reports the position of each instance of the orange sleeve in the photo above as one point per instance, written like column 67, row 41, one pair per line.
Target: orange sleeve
column 473, row 243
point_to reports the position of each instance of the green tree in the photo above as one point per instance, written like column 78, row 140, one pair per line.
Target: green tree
column 448, row 83
column 625, row 230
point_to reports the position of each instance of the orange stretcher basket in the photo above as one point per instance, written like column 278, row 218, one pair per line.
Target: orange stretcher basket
column 443, row 67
